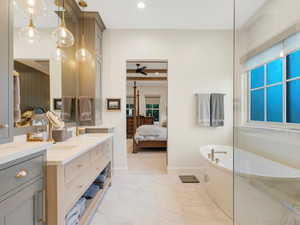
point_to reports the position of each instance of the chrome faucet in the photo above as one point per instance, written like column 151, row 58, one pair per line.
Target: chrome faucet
column 213, row 154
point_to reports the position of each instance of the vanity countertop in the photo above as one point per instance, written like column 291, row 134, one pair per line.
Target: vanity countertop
column 16, row 150
column 64, row 152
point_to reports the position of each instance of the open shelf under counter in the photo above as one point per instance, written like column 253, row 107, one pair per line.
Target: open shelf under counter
column 92, row 205
column 72, row 171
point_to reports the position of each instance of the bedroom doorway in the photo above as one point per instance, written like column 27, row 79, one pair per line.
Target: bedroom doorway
column 147, row 115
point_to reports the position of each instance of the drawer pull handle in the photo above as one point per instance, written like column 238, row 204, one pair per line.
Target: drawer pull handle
column 79, row 166
column 21, row 174
column 80, row 186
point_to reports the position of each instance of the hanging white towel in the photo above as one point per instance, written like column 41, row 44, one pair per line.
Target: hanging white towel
column 203, row 109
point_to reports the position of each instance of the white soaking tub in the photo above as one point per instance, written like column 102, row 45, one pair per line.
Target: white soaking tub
column 254, row 203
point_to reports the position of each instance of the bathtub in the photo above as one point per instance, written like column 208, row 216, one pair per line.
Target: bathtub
column 253, row 205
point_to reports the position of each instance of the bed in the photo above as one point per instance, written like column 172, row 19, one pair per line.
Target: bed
column 150, row 136
column 146, row 136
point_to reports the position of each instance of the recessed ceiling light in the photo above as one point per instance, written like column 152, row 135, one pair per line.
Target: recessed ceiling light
column 141, row 5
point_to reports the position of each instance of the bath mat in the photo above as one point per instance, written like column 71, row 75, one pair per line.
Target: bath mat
column 189, row 179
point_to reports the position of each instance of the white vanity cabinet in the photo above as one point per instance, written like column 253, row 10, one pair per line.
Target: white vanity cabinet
column 5, row 70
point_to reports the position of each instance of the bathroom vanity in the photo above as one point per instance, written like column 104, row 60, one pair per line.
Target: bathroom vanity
column 72, row 167
column 22, row 183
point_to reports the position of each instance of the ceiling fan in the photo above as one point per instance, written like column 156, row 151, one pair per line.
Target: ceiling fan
column 141, row 69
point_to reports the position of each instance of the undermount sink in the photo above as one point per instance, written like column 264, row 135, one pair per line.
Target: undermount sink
column 63, row 147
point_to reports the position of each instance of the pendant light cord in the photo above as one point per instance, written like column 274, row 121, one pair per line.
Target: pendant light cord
column 82, row 26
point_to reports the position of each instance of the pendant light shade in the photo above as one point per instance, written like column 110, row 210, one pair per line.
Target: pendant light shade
column 29, row 33
column 63, row 37
column 83, row 54
column 59, row 54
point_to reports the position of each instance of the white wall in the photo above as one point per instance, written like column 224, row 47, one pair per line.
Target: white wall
column 161, row 91
column 199, row 61
column 44, row 49
column 273, row 18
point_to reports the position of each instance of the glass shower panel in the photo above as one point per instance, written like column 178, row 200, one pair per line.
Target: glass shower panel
column 267, row 113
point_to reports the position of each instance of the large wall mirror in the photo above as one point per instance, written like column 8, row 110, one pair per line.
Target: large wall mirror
column 45, row 74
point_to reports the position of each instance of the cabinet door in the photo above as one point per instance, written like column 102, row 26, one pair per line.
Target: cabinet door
column 5, row 69
column 24, row 207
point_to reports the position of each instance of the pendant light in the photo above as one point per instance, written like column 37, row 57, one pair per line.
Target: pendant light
column 30, row 33
column 83, row 54
column 64, row 38
column 59, row 54
column 34, row 7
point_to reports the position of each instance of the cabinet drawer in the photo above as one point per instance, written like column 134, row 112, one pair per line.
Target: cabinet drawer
column 76, row 167
column 20, row 174
column 108, row 146
column 74, row 190
column 101, row 163
column 97, row 152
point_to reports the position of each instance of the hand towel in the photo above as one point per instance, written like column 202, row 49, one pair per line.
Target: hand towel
column 217, row 110
column 85, row 109
column 105, row 171
column 73, row 213
column 81, row 204
column 73, row 221
column 91, row 192
column 203, row 109
column 67, row 108
column 101, row 178
column 17, row 98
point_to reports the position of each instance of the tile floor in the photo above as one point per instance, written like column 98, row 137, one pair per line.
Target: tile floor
column 147, row 195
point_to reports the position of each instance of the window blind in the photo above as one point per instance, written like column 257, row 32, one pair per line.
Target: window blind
column 289, row 44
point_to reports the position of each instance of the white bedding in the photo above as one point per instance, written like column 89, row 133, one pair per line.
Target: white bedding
column 151, row 133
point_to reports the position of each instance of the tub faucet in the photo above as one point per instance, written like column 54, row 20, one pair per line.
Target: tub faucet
column 213, row 154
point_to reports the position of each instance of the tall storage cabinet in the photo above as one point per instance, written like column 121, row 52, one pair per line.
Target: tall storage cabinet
column 6, row 70
column 91, row 72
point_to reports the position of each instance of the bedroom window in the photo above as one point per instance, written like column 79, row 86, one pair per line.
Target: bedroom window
column 152, row 107
column 129, row 106
column 274, row 91
column 129, row 109
column 153, row 111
